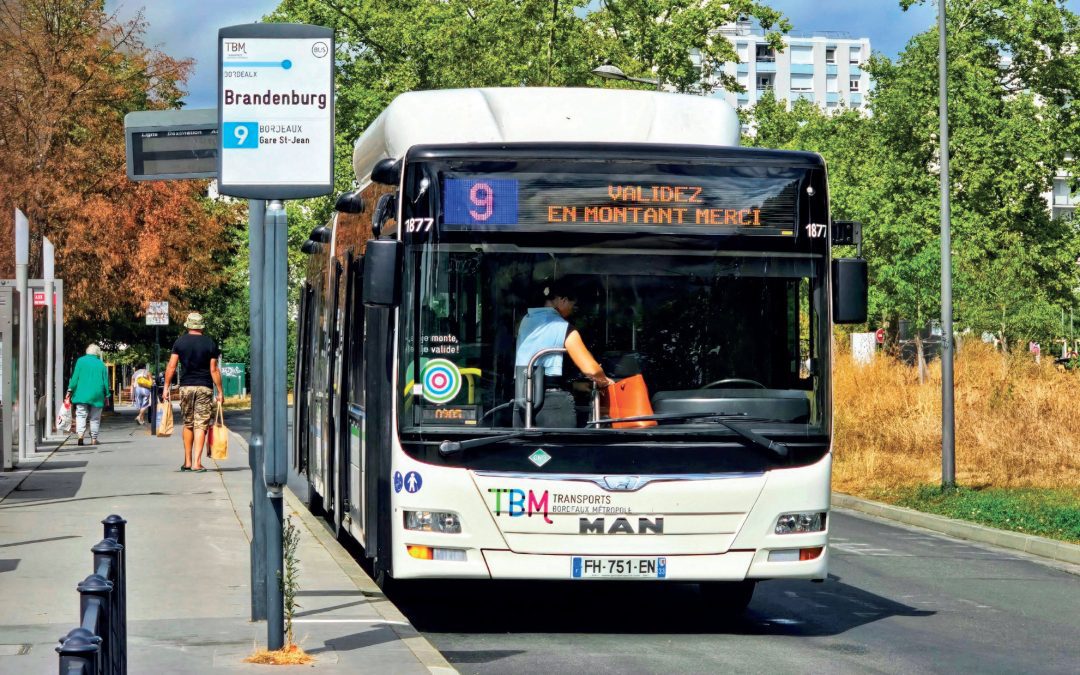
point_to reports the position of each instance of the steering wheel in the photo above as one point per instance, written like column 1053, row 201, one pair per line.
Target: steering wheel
column 734, row 380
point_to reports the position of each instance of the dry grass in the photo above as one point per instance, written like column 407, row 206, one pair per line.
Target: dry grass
column 289, row 655
column 1016, row 423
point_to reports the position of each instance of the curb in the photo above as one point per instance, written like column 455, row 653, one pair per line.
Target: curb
column 421, row 648
column 1059, row 551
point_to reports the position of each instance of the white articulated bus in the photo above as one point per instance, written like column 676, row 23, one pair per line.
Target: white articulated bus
column 451, row 446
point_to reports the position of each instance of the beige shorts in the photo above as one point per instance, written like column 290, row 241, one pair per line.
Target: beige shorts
column 196, row 404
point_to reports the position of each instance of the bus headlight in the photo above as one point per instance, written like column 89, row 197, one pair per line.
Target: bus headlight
column 433, row 521
column 793, row 523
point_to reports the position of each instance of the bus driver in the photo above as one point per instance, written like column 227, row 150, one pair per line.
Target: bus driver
column 547, row 328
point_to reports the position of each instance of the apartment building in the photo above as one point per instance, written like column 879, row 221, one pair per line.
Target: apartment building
column 823, row 67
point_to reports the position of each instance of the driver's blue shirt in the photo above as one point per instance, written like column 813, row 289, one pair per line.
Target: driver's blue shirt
column 542, row 328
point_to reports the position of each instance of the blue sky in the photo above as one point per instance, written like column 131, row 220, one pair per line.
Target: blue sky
column 189, row 28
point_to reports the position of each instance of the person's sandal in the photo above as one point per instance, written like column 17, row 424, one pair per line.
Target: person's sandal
column 201, row 469
column 185, row 468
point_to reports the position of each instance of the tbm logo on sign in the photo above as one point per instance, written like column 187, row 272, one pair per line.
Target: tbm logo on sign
column 620, row 526
column 235, row 47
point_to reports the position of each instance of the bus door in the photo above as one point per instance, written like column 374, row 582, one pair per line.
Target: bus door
column 378, row 396
column 302, row 383
column 331, row 502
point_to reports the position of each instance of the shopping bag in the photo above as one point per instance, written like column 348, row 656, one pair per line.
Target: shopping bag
column 63, row 418
column 629, row 398
column 219, row 437
column 164, row 418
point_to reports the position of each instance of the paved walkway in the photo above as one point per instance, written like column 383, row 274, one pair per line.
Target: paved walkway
column 188, row 565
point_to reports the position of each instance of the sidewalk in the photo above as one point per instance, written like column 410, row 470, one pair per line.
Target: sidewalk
column 188, row 565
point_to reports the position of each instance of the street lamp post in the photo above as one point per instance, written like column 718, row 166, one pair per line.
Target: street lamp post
column 611, row 72
column 948, row 427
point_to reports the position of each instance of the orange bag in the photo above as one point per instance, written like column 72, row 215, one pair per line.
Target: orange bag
column 629, row 398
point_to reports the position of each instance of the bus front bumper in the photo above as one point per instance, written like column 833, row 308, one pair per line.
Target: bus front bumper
column 735, row 565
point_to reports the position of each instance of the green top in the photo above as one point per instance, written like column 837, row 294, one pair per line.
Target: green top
column 90, row 382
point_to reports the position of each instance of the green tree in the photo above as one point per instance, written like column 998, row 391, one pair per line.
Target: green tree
column 1012, row 66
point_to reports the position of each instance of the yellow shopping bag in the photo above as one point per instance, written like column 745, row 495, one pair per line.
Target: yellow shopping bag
column 219, row 437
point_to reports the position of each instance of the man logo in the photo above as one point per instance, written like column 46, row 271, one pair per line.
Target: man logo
column 622, row 483
column 620, row 526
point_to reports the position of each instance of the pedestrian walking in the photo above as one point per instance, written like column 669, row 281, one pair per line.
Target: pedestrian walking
column 87, row 391
column 198, row 355
column 141, row 381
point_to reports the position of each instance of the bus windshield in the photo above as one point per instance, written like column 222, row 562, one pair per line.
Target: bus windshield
column 712, row 325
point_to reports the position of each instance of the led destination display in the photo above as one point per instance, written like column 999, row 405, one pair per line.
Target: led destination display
column 751, row 204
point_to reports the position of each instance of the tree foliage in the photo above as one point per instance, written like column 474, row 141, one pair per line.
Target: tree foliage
column 1013, row 65
column 68, row 75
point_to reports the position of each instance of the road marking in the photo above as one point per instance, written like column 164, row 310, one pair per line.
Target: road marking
column 396, row 623
column 861, row 548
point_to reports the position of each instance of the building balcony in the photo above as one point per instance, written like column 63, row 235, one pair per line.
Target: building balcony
column 766, row 66
column 804, row 94
column 802, row 68
column 832, row 97
column 855, row 71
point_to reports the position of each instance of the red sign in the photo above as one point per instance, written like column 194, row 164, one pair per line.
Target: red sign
column 39, row 299
column 879, row 335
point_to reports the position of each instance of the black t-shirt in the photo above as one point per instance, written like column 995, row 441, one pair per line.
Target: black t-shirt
column 195, row 352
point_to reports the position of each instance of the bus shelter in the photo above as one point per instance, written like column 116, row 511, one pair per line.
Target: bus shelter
column 45, row 390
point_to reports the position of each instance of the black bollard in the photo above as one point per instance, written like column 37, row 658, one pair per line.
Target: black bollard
column 79, row 652
column 116, row 529
column 94, row 608
column 107, row 556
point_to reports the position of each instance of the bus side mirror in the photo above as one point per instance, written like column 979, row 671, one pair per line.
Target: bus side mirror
column 382, row 278
column 350, row 202
column 849, row 285
column 387, row 171
column 385, row 210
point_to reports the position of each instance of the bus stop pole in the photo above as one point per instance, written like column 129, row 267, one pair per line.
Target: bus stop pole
column 259, row 502
column 275, row 261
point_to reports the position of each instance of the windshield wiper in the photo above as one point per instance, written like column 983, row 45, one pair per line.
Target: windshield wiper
column 447, row 448
column 723, row 419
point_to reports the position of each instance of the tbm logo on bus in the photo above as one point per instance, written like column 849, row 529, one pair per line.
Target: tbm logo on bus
column 517, row 505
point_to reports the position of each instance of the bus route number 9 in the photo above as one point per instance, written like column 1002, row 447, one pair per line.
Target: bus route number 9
column 481, row 195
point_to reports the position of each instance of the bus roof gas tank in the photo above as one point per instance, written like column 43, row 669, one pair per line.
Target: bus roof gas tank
column 543, row 114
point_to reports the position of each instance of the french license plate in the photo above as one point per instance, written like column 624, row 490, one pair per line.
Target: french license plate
column 624, row 568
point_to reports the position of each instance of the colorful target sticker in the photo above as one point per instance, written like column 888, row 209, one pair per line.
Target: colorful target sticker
column 442, row 381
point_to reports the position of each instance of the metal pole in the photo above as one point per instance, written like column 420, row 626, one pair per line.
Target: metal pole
column 948, row 426
column 31, row 377
column 259, row 503
column 275, row 259
column 58, row 342
column 22, row 262
column 48, row 271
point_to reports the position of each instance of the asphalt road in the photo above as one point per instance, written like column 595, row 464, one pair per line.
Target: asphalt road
column 898, row 600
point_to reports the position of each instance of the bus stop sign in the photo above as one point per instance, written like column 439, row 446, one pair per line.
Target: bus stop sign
column 276, row 110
